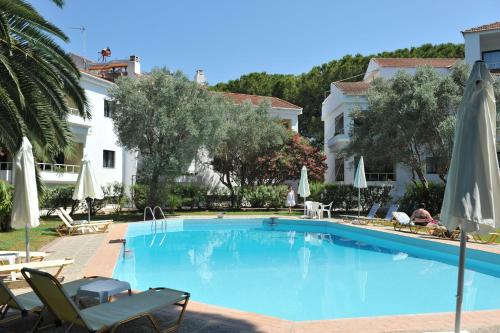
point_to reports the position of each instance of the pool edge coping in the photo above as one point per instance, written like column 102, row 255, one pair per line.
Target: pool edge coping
column 104, row 260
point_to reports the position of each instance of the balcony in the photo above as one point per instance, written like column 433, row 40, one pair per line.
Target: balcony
column 380, row 176
column 338, row 141
column 50, row 172
column 59, row 173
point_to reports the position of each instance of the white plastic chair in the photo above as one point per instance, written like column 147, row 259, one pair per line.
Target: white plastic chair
column 325, row 209
column 315, row 209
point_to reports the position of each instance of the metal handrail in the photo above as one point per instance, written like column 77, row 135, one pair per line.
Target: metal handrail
column 164, row 220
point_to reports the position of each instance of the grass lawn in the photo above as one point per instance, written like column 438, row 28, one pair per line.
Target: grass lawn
column 14, row 240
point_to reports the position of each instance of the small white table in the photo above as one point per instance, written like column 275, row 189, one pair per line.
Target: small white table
column 11, row 258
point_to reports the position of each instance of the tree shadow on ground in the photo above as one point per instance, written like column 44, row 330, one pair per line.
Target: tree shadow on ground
column 193, row 322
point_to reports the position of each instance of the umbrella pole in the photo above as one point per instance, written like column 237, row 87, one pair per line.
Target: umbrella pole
column 27, row 235
column 304, row 206
column 88, row 207
column 460, row 286
column 359, row 202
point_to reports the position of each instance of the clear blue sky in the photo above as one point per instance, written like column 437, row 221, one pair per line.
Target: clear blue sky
column 228, row 38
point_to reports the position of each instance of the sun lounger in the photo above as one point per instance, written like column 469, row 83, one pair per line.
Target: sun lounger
column 492, row 237
column 29, row 302
column 16, row 268
column 108, row 316
column 93, row 227
column 388, row 216
column 34, row 256
column 69, row 218
column 371, row 214
column 402, row 220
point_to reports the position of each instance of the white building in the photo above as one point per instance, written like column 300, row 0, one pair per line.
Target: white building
column 93, row 138
column 336, row 111
column 483, row 43
column 288, row 113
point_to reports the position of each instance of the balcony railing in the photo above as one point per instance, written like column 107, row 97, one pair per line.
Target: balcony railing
column 380, row 177
column 47, row 167
column 59, row 168
column 5, row 165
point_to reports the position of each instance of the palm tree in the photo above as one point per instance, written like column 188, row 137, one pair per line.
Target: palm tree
column 36, row 80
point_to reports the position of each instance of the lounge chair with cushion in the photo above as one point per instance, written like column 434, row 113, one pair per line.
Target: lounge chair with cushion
column 388, row 216
column 402, row 220
column 371, row 214
column 106, row 317
column 13, row 269
column 29, row 302
column 69, row 229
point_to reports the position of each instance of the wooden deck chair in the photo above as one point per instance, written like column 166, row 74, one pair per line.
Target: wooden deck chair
column 34, row 256
column 69, row 218
column 7, row 270
column 105, row 317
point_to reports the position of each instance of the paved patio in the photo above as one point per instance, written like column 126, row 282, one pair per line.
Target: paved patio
column 94, row 255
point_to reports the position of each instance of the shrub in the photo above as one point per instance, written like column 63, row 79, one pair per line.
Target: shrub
column 173, row 202
column 58, row 196
column 221, row 198
column 192, row 194
column 415, row 194
column 140, row 195
column 266, row 196
column 6, row 197
column 345, row 197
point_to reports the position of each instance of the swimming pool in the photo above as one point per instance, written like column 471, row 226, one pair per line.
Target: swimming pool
column 305, row 270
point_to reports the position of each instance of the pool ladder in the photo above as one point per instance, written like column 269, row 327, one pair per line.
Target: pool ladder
column 154, row 223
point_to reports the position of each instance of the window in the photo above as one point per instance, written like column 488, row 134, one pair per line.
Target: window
column 108, row 159
column 433, row 165
column 378, row 171
column 108, row 108
column 498, row 157
column 339, row 170
column 492, row 60
column 287, row 123
column 339, row 124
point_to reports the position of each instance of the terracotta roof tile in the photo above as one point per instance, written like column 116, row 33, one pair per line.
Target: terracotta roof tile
column 415, row 62
column 485, row 27
column 353, row 88
column 256, row 100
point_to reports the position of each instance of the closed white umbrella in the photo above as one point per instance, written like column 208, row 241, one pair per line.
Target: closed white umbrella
column 25, row 212
column 86, row 185
column 303, row 190
column 360, row 181
column 472, row 195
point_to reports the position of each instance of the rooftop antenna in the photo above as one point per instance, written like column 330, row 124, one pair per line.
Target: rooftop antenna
column 83, row 30
column 104, row 54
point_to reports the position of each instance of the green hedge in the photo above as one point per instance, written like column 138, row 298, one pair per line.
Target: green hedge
column 415, row 194
column 265, row 196
column 345, row 197
column 6, row 197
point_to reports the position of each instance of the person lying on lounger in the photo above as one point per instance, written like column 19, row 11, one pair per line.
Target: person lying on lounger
column 422, row 217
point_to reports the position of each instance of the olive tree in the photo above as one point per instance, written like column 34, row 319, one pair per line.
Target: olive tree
column 167, row 119
column 248, row 133
column 410, row 118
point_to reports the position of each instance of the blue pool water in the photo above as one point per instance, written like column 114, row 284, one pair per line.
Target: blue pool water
column 303, row 270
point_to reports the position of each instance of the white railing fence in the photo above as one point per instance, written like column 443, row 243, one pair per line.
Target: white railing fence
column 60, row 168
column 380, row 177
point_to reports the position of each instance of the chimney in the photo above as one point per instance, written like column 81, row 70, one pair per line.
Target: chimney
column 134, row 66
column 199, row 77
